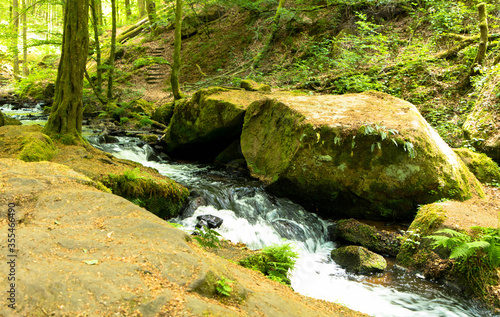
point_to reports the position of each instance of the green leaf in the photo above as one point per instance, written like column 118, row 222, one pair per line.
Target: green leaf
column 91, row 262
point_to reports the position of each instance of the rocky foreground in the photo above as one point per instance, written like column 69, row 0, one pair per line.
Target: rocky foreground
column 81, row 252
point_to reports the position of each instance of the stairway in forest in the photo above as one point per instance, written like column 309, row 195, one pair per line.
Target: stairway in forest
column 156, row 73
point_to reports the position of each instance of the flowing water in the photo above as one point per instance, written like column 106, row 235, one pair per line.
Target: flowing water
column 258, row 219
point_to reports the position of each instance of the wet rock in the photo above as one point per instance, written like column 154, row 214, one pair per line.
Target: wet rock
column 192, row 205
column 359, row 260
column 209, row 221
column 202, row 127
column 379, row 241
column 289, row 230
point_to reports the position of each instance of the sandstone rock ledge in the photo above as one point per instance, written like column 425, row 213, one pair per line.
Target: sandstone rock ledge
column 82, row 252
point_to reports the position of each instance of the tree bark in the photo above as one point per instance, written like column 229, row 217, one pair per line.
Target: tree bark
column 141, row 7
column 15, row 36
column 174, row 76
column 97, row 47
column 128, row 11
column 67, row 110
column 151, row 8
column 25, row 41
column 112, row 50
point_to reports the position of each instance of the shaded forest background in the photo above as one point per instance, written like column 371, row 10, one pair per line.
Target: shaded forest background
column 422, row 51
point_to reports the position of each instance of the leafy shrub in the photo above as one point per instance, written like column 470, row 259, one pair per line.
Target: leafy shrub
column 273, row 261
column 223, row 286
column 207, row 238
column 476, row 257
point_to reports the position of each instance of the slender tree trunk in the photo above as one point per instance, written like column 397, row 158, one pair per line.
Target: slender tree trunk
column 25, row 41
column 141, row 7
column 15, row 36
column 112, row 50
column 272, row 36
column 128, row 11
column 97, row 47
column 151, row 8
column 67, row 110
column 174, row 76
column 481, row 51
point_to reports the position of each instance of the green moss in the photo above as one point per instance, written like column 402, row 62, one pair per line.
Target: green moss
column 163, row 197
column 485, row 169
column 2, row 119
column 414, row 251
column 37, row 147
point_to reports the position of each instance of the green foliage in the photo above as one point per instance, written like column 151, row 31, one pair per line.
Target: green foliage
column 149, row 60
column 273, row 261
column 161, row 196
column 208, row 238
column 223, row 286
column 145, row 121
column 477, row 256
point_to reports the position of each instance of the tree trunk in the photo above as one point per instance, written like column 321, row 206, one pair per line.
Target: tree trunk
column 271, row 37
column 112, row 50
column 25, row 41
column 97, row 47
column 483, row 44
column 128, row 12
column 141, row 7
column 67, row 109
column 481, row 51
column 174, row 76
column 15, row 36
column 151, row 8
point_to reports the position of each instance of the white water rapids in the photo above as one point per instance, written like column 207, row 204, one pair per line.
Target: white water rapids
column 258, row 219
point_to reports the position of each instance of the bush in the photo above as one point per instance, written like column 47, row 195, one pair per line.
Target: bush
column 274, row 261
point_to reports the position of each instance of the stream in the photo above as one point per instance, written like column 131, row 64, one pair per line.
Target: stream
column 259, row 219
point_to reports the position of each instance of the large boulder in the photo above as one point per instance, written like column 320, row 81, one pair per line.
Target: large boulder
column 359, row 260
column 207, row 123
column 485, row 169
column 482, row 126
column 366, row 155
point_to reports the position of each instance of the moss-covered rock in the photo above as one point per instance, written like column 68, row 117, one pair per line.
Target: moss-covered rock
column 415, row 252
column 379, row 241
column 163, row 197
column 37, row 146
column 366, row 155
column 142, row 106
column 251, row 85
column 207, row 123
column 359, row 260
column 485, row 169
column 482, row 126
column 164, row 113
column 6, row 120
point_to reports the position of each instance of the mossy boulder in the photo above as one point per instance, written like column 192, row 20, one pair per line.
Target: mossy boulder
column 142, row 106
column 36, row 147
column 164, row 113
column 6, row 120
column 415, row 252
column 163, row 197
column 379, row 241
column 485, row 169
column 207, row 123
column 251, row 85
column 366, row 155
column 482, row 126
column 359, row 260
